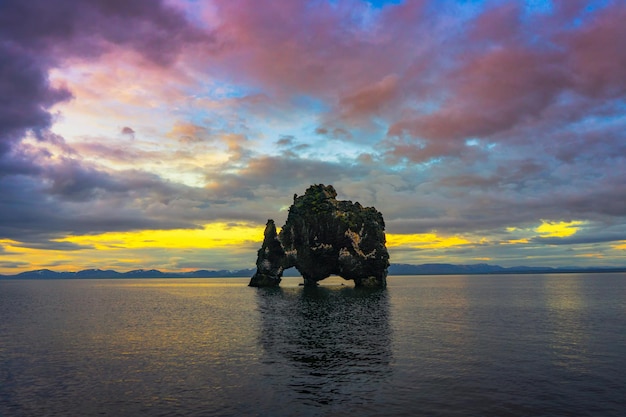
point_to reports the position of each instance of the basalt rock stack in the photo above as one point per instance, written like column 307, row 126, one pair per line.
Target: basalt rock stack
column 324, row 236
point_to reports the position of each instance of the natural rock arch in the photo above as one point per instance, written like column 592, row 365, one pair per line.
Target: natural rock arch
column 324, row 236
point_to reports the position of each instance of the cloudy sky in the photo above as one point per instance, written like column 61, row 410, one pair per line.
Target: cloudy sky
column 163, row 134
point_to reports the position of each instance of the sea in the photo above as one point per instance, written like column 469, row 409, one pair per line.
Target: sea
column 462, row 345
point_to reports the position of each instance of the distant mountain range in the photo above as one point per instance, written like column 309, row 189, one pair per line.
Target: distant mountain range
column 394, row 269
column 137, row 273
column 450, row 269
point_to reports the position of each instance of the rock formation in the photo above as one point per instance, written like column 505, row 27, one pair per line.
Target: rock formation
column 324, row 236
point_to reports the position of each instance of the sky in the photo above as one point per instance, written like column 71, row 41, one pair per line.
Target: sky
column 164, row 133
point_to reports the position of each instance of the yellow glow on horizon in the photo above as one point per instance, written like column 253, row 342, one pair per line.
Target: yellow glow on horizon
column 515, row 241
column 31, row 258
column 210, row 236
column 620, row 246
column 558, row 229
column 425, row 240
column 590, row 255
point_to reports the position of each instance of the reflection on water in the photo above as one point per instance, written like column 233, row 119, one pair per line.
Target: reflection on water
column 581, row 314
column 126, row 348
column 527, row 345
column 325, row 346
column 568, row 330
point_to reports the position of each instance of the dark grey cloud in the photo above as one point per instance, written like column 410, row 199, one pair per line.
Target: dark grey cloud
column 57, row 246
column 13, row 264
column 286, row 140
column 70, row 27
column 74, row 198
column 281, row 173
column 25, row 94
column 576, row 240
column 338, row 133
column 75, row 181
column 129, row 131
column 495, row 194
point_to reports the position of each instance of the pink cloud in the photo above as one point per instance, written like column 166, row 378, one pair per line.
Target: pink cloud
column 597, row 57
column 491, row 92
column 371, row 99
column 501, row 23
column 422, row 153
column 514, row 72
column 291, row 47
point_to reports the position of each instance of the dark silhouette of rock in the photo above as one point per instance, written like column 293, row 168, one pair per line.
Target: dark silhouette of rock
column 324, row 236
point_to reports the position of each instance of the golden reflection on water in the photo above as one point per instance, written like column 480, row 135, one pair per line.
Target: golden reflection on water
column 187, row 326
column 566, row 306
column 185, row 283
column 563, row 294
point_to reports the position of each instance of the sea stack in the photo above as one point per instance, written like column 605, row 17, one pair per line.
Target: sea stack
column 324, row 236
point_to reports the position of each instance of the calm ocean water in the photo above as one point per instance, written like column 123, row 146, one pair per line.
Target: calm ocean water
column 523, row 345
